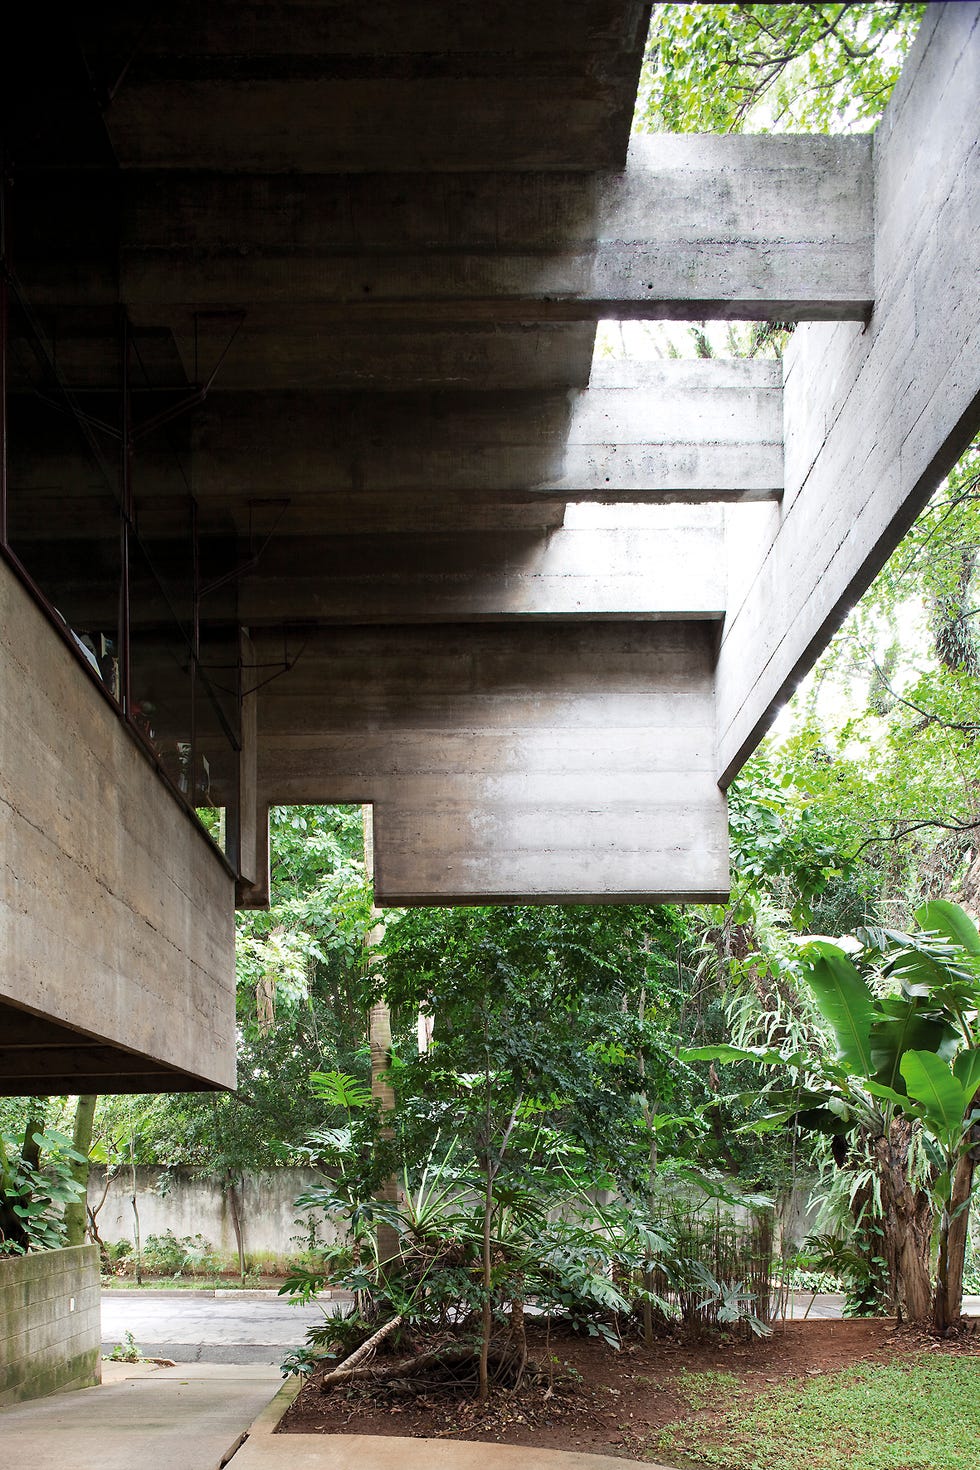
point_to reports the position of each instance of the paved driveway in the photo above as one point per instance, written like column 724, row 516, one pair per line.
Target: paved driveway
column 201, row 1327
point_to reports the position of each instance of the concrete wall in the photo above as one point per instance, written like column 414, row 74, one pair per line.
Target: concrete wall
column 50, row 1329
column 533, row 762
column 874, row 416
column 190, row 1205
column 116, row 914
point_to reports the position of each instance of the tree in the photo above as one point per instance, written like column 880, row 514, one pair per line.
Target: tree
column 75, row 1210
column 796, row 68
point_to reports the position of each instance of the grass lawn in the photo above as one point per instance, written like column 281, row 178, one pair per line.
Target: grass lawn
column 917, row 1413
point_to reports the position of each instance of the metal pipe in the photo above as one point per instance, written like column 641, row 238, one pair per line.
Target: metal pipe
column 125, row 523
column 195, row 648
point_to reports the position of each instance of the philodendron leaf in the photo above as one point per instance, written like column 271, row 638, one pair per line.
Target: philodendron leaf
column 844, row 999
column 953, row 923
column 931, row 1082
column 966, row 1069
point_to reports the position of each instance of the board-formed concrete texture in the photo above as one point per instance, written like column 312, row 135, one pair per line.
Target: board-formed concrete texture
column 536, row 608
column 581, row 752
column 875, row 415
column 115, row 911
column 50, row 1326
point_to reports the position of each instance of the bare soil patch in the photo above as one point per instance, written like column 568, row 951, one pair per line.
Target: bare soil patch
column 586, row 1396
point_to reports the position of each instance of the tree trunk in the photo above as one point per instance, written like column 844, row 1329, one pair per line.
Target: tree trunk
column 483, row 1388
column 236, row 1220
column 76, row 1212
column 30, row 1149
column 518, row 1332
column 948, row 1304
column 136, row 1220
column 907, row 1227
column 646, row 1274
column 379, row 1038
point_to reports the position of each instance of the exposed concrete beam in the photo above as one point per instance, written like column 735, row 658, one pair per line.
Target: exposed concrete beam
column 287, row 349
column 294, row 87
column 360, row 463
column 528, row 762
column 671, row 572
column 664, row 430
column 739, row 227
column 874, row 418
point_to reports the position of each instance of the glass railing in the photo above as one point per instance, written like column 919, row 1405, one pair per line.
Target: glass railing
column 109, row 545
column 63, row 495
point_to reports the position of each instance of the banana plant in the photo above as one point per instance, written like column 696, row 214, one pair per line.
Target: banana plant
column 903, row 1013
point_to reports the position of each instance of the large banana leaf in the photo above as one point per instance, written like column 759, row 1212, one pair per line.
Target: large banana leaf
column 931, row 1082
column 901, row 1027
column 844, row 1000
column 966, row 1069
column 952, row 922
column 888, row 1094
column 930, row 967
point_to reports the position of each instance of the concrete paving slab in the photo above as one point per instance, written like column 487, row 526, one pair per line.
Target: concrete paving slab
column 168, row 1418
column 266, row 1450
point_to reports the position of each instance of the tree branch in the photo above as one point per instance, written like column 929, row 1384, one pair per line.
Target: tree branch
column 917, row 827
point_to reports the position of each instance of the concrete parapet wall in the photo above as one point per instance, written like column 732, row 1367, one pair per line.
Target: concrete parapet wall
column 50, row 1326
column 116, row 914
column 190, row 1204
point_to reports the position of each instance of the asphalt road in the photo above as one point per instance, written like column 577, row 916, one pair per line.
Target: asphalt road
column 199, row 1327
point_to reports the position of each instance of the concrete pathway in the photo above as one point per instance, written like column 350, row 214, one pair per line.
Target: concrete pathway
column 209, row 1327
column 187, row 1418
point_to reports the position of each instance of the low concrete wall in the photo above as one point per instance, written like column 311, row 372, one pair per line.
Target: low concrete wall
column 190, row 1205
column 50, row 1331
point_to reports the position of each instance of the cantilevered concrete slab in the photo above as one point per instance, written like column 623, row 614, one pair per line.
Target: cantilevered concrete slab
column 116, row 924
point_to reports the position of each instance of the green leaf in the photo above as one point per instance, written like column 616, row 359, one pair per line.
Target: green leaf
column 931, row 1082
column 902, row 1028
column 966, row 1069
column 879, row 1089
column 341, row 1090
column 950, row 921
column 724, row 1052
column 843, row 999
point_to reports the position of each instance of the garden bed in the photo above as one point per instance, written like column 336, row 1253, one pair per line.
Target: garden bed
column 667, row 1402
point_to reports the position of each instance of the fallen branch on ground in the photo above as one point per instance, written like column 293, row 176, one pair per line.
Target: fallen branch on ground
column 366, row 1350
